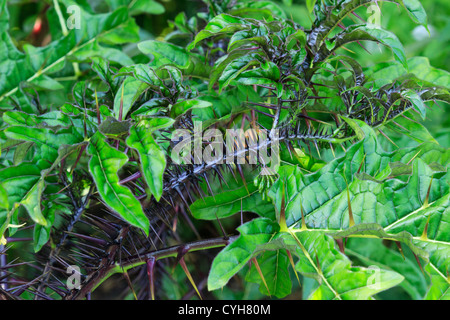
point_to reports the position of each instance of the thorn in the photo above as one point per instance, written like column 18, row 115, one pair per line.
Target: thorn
column 400, row 126
column 221, row 178
column 99, row 121
column 282, row 223
column 289, row 149
column 221, row 227
column 363, row 47
column 418, row 262
column 264, row 113
column 127, row 277
column 97, row 241
column 427, row 197
column 318, row 262
column 409, row 162
column 83, row 147
column 399, row 246
column 317, row 148
column 332, row 150
column 230, row 168
column 121, row 103
column 340, row 243
column 304, row 227
column 409, row 119
column 255, row 262
column 186, row 271
column 241, row 173
column 351, row 222
column 293, row 266
column 424, row 235
column 347, row 49
column 292, row 149
column 356, row 15
column 362, row 162
column 389, row 139
column 175, row 222
column 151, row 273
column 134, row 176
column 205, row 177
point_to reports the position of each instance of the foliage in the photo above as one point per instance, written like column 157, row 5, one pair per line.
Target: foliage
column 357, row 207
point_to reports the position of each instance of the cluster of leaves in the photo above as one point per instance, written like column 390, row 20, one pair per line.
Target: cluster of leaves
column 92, row 172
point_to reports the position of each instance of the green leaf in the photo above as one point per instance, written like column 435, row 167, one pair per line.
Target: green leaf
column 363, row 32
column 414, row 130
column 146, row 6
column 261, row 10
column 104, row 165
column 420, row 66
column 416, row 11
column 141, row 72
column 152, row 156
column 131, row 89
column 233, row 258
column 417, row 102
column 234, row 68
column 41, row 234
column 346, row 7
column 323, row 194
column 114, row 128
column 182, row 107
column 310, row 5
column 440, row 288
column 221, row 24
column 164, row 53
column 230, row 202
column 94, row 49
column 23, row 185
column 274, row 266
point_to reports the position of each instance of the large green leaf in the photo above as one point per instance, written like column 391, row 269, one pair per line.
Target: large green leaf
column 104, row 165
column 399, row 208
